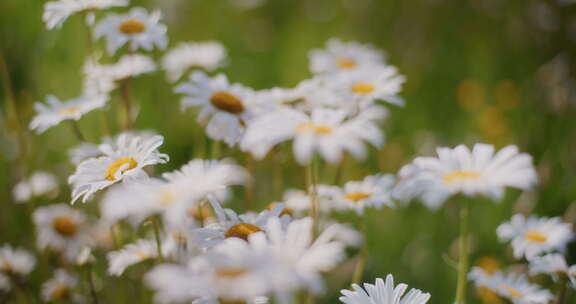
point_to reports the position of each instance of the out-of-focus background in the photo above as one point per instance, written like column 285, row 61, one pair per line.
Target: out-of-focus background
column 500, row 72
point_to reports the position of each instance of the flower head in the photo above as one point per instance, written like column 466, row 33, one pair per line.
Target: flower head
column 383, row 292
column 205, row 55
column 534, row 236
column 55, row 111
column 56, row 12
column 344, row 56
column 470, row 172
column 60, row 287
column 16, row 260
column 326, row 131
column 125, row 159
column 138, row 28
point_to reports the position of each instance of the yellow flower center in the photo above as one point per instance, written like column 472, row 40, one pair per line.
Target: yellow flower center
column 131, row 27
column 64, row 226
column 124, row 164
column 456, row 176
column 141, row 255
column 362, row 88
column 242, row 231
column 357, row 196
column 346, row 63
column 6, row 266
column 167, row 198
column 487, row 296
column 227, row 102
column 535, row 236
column 200, row 213
column 61, row 292
column 180, row 237
column 312, row 127
column 230, row 273
column 285, row 211
column 488, row 264
column 513, row 292
column 68, row 111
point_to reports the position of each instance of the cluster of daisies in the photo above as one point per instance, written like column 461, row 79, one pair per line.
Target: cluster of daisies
column 177, row 225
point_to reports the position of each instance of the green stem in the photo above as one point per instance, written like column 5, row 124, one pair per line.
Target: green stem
column 127, row 98
column 77, row 131
column 361, row 264
column 463, row 255
column 90, row 279
column 562, row 296
column 311, row 187
column 156, row 227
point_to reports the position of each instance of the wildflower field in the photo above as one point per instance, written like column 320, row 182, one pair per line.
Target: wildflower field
column 288, row 151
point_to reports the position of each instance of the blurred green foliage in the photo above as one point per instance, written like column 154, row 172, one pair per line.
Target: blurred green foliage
column 478, row 71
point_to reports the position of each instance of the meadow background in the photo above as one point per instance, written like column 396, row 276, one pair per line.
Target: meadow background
column 492, row 71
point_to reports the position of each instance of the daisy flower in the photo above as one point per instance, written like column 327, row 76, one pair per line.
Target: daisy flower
column 294, row 246
column 534, row 236
column 383, row 292
column 39, row 184
column 16, row 261
column 344, row 56
column 482, row 278
column 56, row 12
column 553, row 264
column 123, row 160
column 231, row 225
column 185, row 56
column 374, row 191
column 61, row 228
column 514, row 287
column 177, row 197
column 326, row 131
column 137, row 28
column 361, row 87
column 131, row 254
column 60, row 288
column 56, row 111
column 225, row 105
column 470, row 172
column 97, row 80
column 131, row 65
column 232, row 271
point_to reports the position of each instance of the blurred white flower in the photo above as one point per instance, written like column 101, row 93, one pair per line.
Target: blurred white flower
column 231, row 225
column 56, row 12
column 131, row 254
column 137, row 28
column 470, row 172
column 125, row 159
column 131, row 66
column 514, row 287
column 16, row 260
column 225, row 105
column 56, row 111
column 374, row 191
column 62, row 229
column 344, row 56
column 383, row 293
column 361, row 87
column 232, row 271
column 177, row 197
column 185, row 56
column 61, row 288
column 553, row 264
column 325, row 131
column 534, row 236
column 295, row 247
column 38, row 184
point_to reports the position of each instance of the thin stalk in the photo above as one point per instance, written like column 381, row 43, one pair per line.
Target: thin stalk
column 249, row 189
column 90, row 279
column 12, row 114
column 156, row 227
column 463, row 255
column 77, row 131
column 562, row 296
column 311, row 186
column 127, row 99
column 363, row 255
